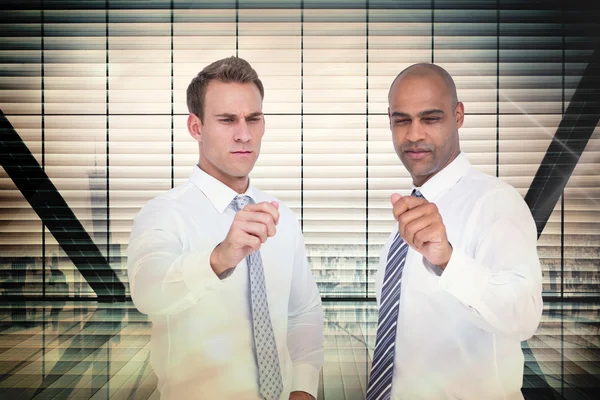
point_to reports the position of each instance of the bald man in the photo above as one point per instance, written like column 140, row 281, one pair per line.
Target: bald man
column 459, row 279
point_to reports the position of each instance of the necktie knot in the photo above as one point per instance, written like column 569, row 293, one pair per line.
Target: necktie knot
column 416, row 193
column 240, row 202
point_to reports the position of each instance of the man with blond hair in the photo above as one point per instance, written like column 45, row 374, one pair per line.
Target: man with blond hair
column 220, row 267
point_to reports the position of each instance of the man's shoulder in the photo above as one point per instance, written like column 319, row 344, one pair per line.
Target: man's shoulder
column 485, row 183
column 491, row 191
column 171, row 201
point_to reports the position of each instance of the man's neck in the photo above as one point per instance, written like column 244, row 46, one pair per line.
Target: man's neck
column 238, row 184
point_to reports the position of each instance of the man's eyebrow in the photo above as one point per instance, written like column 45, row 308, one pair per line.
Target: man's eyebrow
column 429, row 112
column 400, row 114
column 234, row 116
column 255, row 114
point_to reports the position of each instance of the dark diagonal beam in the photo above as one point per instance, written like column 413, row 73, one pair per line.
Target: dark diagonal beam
column 573, row 134
column 27, row 174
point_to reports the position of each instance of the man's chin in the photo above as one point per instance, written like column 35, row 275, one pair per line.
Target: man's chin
column 240, row 173
column 416, row 166
column 419, row 171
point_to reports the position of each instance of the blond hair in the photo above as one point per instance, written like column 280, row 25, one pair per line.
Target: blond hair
column 231, row 69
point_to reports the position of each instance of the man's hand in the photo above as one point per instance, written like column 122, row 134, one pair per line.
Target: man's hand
column 420, row 225
column 297, row 395
column 251, row 227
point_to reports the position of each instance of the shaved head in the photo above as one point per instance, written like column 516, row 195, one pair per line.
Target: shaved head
column 425, row 70
column 425, row 116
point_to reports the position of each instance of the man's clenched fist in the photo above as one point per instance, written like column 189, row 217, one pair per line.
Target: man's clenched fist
column 420, row 225
column 251, row 227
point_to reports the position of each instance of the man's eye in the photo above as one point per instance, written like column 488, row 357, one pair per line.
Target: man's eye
column 430, row 120
column 253, row 119
column 226, row 120
column 401, row 121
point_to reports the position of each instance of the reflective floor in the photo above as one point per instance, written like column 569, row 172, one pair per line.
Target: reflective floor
column 88, row 350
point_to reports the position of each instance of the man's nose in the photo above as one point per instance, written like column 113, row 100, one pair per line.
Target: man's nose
column 242, row 132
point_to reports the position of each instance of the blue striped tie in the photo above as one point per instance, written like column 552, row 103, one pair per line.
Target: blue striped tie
column 382, row 368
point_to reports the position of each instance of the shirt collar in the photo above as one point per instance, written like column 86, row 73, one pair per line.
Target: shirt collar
column 219, row 194
column 446, row 178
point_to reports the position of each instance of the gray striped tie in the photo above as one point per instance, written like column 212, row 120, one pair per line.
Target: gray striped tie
column 270, row 380
column 382, row 368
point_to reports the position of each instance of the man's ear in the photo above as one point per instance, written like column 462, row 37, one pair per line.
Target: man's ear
column 194, row 126
column 460, row 114
column 389, row 118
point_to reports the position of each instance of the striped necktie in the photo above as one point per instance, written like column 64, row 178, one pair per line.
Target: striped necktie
column 270, row 381
column 382, row 368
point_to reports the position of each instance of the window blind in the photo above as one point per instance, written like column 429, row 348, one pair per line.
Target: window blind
column 96, row 91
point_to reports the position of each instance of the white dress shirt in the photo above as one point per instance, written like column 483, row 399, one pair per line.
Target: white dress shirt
column 460, row 331
column 202, row 344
